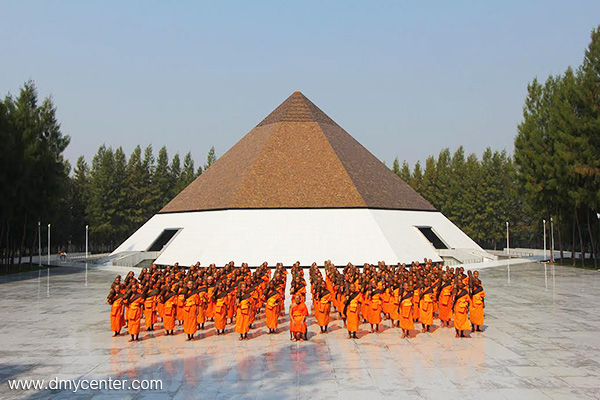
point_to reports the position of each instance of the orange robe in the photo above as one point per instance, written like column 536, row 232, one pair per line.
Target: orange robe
column 365, row 307
column 322, row 309
column 395, row 304
column 210, row 313
column 445, row 303
column 202, row 301
column 352, row 311
column 190, row 307
column 406, row 312
column 426, row 307
column 415, row 302
column 476, row 312
column 231, row 305
column 272, row 309
column 220, row 311
column 134, row 315
column 150, row 311
column 461, row 309
column 170, row 311
column 160, row 309
column 180, row 313
column 242, row 318
column 386, row 298
column 298, row 318
column 375, row 307
column 117, row 319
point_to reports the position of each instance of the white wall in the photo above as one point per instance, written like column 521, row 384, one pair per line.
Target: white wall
column 288, row 235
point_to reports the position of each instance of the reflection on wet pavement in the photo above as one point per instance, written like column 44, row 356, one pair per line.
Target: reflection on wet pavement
column 539, row 343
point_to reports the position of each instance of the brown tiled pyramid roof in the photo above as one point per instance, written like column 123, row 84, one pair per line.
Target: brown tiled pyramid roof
column 297, row 157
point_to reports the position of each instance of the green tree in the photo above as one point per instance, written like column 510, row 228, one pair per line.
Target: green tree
column 396, row 166
column 211, row 158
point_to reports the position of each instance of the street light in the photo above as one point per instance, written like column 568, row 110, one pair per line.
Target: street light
column 507, row 241
column 48, row 244
column 552, row 239
column 39, row 244
column 544, row 241
column 86, row 240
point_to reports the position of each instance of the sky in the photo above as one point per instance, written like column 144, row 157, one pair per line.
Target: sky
column 406, row 79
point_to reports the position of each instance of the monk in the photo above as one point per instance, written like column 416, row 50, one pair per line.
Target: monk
column 298, row 314
column 170, row 299
column 323, row 300
column 477, row 305
column 115, row 299
column 406, row 311
column 190, row 307
column 426, row 306
column 220, row 307
column 244, row 308
column 134, row 311
column 445, row 300
column 375, row 307
column 210, row 289
column 202, row 304
column 272, row 299
column 150, row 308
column 352, row 311
column 461, row 310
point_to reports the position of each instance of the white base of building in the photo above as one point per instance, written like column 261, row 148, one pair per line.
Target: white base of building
column 306, row 235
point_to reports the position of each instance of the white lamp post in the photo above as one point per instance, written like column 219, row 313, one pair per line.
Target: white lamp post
column 544, row 241
column 39, row 244
column 86, row 240
column 552, row 239
column 507, row 241
column 48, row 244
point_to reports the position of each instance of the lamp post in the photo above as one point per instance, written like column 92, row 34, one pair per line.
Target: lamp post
column 86, row 240
column 48, row 244
column 552, row 239
column 544, row 241
column 507, row 241
column 39, row 244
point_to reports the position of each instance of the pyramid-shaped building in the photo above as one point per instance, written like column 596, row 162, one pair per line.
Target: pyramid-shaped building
column 298, row 187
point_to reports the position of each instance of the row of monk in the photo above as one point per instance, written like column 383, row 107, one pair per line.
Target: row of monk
column 400, row 293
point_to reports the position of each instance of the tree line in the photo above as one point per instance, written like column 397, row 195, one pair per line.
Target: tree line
column 116, row 193
column 478, row 195
column 554, row 173
column 557, row 151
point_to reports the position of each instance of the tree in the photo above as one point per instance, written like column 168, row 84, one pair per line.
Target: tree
column 211, row 158
column 396, row 166
column 161, row 181
column 405, row 173
column 187, row 174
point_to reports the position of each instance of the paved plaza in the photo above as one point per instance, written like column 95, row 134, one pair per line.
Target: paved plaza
column 541, row 342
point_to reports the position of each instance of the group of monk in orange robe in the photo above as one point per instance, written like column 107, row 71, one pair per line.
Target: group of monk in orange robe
column 196, row 295
column 402, row 294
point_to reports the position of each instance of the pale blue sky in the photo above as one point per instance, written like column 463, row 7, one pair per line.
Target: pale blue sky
column 404, row 78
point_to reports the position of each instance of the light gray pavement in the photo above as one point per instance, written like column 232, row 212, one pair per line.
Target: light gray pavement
column 540, row 343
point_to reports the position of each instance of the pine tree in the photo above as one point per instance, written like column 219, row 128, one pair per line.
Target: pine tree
column 396, row 166
column 187, row 174
column 210, row 159
column 405, row 173
column 161, row 182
